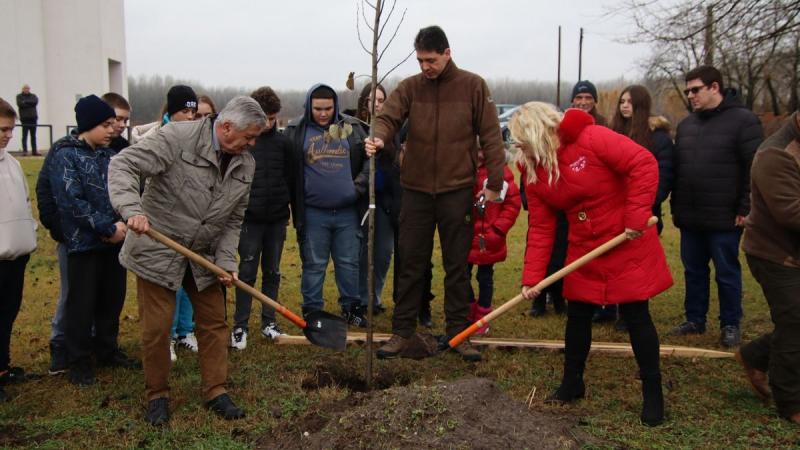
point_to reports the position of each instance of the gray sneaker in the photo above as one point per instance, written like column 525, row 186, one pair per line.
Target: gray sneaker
column 468, row 352
column 730, row 336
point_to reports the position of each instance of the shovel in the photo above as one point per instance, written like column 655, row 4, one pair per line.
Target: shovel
column 573, row 266
column 321, row 328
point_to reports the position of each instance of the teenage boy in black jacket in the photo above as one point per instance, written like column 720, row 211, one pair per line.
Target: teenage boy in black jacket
column 264, row 225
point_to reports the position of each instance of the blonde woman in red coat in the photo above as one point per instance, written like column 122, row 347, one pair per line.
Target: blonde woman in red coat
column 606, row 184
column 491, row 223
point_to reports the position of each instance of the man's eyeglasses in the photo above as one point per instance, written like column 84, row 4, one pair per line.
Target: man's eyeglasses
column 693, row 90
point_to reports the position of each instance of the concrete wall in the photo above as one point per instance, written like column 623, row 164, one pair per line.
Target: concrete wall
column 63, row 49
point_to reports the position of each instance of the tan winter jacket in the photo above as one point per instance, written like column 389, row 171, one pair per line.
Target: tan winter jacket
column 444, row 117
column 186, row 198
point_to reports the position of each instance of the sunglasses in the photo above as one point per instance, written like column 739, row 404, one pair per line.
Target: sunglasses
column 694, row 90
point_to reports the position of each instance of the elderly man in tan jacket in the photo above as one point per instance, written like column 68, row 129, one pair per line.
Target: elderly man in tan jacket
column 199, row 182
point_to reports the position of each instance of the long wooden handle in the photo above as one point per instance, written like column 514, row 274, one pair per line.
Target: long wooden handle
column 219, row 271
column 566, row 270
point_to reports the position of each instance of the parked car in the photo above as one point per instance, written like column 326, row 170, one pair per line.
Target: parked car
column 502, row 108
column 504, row 119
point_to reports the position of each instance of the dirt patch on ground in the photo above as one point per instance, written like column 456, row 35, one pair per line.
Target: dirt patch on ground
column 469, row 413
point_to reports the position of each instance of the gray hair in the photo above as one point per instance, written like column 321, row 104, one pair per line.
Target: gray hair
column 242, row 112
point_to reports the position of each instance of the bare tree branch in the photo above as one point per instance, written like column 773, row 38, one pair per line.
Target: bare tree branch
column 396, row 30
column 396, row 66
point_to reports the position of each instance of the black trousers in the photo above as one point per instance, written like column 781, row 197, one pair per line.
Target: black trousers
column 96, row 295
column 12, row 278
column 421, row 215
column 29, row 127
column 778, row 352
column 578, row 339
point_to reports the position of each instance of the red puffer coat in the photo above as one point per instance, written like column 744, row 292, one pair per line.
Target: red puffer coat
column 489, row 237
column 607, row 183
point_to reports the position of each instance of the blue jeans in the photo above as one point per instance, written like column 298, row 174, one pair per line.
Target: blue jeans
column 485, row 277
column 330, row 234
column 382, row 256
column 259, row 244
column 722, row 247
column 58, row 325
column 182, row 322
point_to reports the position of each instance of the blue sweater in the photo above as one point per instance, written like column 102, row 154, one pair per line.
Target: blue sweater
column 79, row 181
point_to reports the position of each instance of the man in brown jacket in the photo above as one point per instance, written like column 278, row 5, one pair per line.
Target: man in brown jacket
column 446, row 109
column 199, row 178
column 772, row 245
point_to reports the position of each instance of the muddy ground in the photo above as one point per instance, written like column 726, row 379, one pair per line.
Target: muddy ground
column 469, row 413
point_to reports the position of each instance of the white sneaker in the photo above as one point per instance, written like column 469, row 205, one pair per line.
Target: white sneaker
column 239, row 339
column 189, row 341
column 172, row 355
column 271, row 331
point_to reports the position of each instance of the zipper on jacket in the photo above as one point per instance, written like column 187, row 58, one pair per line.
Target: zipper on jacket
column 435, row 139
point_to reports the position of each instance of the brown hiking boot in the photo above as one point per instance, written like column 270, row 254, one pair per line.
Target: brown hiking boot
column 468, row 352
column 758, row 379
column 392, row 347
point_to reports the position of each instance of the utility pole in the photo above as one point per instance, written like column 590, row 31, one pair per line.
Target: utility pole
column 580, row 55
column 558, row 76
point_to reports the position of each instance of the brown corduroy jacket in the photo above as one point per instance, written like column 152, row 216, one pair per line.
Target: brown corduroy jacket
column 773, row 225
column 444, row 117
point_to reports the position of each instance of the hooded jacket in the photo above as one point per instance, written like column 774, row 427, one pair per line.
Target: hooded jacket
column 713, row 153
column 186, row 198
column 78, row 176
column 607, row 183
column 359, row 164
column 492, row 226
column 444, row 116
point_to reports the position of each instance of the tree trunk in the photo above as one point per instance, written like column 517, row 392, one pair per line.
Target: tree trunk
column 708, row 46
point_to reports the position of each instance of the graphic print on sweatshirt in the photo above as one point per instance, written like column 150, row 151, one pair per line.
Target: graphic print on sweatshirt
column 328, row 178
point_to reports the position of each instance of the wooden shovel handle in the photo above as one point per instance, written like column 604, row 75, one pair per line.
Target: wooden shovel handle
column 219, row 271
column 566, row 270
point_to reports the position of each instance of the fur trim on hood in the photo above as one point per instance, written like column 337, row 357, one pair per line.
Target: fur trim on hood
column 659, row 123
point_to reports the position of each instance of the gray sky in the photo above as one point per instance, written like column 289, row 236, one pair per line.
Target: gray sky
column 292, row 44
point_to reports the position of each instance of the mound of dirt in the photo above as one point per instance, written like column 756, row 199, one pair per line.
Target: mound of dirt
column 468, row 413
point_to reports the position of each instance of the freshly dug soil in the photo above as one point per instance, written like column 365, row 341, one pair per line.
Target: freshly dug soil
column 468, row 413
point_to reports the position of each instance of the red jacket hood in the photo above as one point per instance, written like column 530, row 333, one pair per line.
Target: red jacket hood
column 573, row 123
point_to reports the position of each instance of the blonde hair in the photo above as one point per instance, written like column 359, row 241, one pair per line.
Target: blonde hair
column 535, row 127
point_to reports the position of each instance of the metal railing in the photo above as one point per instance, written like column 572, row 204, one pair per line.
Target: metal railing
column 39, row 125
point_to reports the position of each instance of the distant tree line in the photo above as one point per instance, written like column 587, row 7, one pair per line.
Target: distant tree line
column 148, row 94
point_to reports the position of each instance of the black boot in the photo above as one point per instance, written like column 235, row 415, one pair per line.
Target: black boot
column 571, row 389
column 223, row 406
column 558, row 303
column 653, row 402
column 157, row 411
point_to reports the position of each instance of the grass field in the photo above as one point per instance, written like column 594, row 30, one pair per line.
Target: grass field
column 709, row 404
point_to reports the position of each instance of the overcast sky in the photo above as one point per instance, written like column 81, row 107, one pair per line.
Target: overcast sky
column 292, row 44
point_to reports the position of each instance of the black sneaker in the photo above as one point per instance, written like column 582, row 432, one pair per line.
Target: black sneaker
column 12, row 375
column 356, row 316
column 687, row 328
column 538, row 308
column 119, row 359
column 223, row 406
column 730, row 336
column 58, row 359
column 157, row 412
column 81, row 375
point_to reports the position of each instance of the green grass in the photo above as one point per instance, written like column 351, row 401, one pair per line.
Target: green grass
column 709, row 403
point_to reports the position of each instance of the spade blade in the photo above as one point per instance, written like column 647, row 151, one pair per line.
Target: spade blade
column 326, row 330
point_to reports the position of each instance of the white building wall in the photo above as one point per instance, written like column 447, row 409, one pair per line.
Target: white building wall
column 62, row 49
